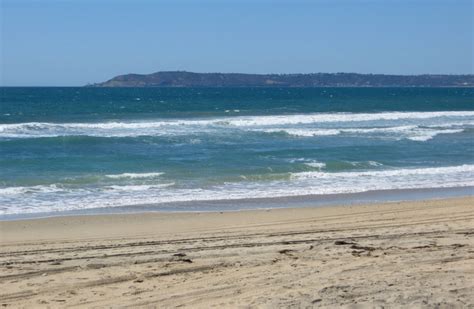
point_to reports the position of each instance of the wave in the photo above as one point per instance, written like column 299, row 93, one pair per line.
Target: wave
column 62, row 189
column 128, row 188
column 302, row 132
column 342, row 165
column 414, row 133
column 196, row 126
column 134, row 175
column 53, row 188
column 423, row 136
column 59, row 198
column 318, row 165
column 340, row 117
column 466, row 168
column 309, row 162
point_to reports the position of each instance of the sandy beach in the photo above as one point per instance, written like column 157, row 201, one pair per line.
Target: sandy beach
column 387, row 255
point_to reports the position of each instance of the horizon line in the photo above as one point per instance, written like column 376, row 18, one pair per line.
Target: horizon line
column 313, row 73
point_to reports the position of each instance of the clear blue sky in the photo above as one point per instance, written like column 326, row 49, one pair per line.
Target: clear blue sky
column 73, row 42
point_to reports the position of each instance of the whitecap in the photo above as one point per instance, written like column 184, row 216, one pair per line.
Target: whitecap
column 316, row 164
column 410, row 132
column 192, row 126
column 302, row 183
column 134, row 175
column 466, row 168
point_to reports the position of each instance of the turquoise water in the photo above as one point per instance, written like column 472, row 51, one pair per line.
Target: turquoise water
column 65, row 149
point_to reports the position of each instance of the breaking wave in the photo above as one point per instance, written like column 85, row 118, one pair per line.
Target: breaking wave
column 59, row 198
column 257, row 123
column 134, row 175
column 414, row 133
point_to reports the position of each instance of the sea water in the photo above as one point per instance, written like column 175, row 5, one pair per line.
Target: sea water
column 67, row 149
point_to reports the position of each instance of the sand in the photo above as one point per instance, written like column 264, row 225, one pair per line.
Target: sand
column 409, row 254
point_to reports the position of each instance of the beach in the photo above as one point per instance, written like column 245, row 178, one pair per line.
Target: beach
column 402, row 254
column 236, row 154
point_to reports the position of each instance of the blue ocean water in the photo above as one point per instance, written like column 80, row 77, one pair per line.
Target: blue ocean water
column 65, row 149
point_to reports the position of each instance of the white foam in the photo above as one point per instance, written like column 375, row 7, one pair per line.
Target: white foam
column 15, row 200
column 425, row 135
column 134, row 175
column 466, row 168
column 308, row 162
column 410, row 132
column 374, row 163
column 362, row 164
column 315, row 164
column 302, row 132
column 53, row 188
column 340, row 117
column 187, row 126
column 129, row 188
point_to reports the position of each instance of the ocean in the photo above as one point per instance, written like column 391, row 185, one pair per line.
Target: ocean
column 79, row 150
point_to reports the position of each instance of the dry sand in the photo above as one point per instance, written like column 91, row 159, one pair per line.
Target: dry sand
column 411, row 254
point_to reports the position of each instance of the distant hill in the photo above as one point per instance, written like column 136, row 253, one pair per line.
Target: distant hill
column 190, row 79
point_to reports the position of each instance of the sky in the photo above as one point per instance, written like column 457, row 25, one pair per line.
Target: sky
column 75, row 42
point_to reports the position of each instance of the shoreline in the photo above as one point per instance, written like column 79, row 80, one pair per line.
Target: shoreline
column 231, row 205
column 418, row 253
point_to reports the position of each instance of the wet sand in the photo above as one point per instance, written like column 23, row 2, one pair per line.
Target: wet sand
column 394, row 254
